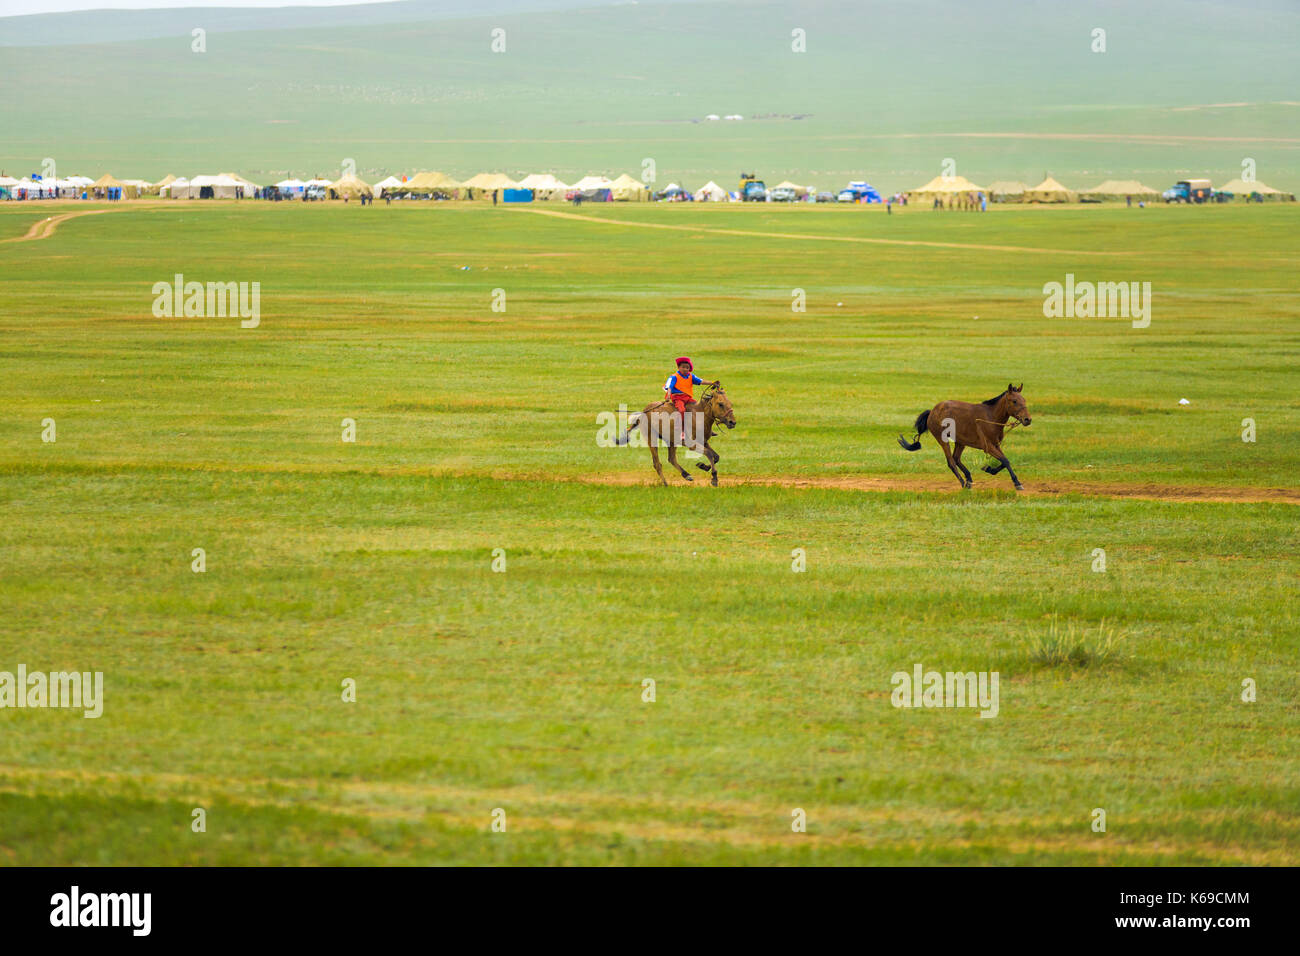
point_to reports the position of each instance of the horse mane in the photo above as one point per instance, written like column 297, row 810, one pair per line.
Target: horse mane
column 995, row 399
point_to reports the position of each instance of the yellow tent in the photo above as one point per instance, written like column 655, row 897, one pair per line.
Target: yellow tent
column 349, row 187
column 944, row 187
column 107, row 181
column 431, row 183
column 1241, row 190
column 1007, row 190
column 484, row 185
column 428, row 181
column 626, row 188
column 1049, row 190
column 1119, row 189
column 798, row 190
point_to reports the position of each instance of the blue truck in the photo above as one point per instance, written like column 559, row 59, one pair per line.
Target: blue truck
column 1189, row 190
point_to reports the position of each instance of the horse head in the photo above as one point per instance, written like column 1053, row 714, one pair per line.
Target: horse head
column 1014, row 403
column 718, row 403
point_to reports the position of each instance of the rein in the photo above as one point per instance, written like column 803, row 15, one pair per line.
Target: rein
column 1008, row 424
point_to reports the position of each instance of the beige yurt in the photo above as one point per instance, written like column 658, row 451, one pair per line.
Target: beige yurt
column 485, row 185
column 943, row 187
column 1007, row 190
column 432, row 183
column 349, row 187
column 627, row 189
column 1049, row 190
column 1118, row 190
column 1241, row 190
column 106, row 181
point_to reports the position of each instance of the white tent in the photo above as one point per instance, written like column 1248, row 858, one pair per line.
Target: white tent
column 35, row 188
column 544, row 185
column 711, row 192
column 222, row 187
column 319, row 182
column 541, row 181
column 175, row 188
column 290, row 186
column 392, row 183
column 8, row 181
column 593, row 182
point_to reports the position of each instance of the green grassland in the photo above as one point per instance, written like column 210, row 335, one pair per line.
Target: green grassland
column 884, row 91
column 522, row 690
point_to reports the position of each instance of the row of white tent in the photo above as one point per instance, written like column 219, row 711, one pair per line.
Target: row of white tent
column 44, row 188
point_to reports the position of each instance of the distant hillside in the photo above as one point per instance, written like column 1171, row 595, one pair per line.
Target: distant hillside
column 115, row 26
column 885, row 91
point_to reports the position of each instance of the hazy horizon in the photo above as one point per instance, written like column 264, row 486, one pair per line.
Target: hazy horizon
column 19, row 8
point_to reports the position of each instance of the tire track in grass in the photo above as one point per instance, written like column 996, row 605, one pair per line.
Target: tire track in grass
column 965, row 246
column 46, row 227
column 725, row 820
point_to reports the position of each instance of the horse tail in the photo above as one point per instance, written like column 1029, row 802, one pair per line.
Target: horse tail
column 922, row 423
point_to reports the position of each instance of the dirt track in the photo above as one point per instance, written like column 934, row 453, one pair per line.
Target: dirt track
column 1033, row 489
column 45, row 227
column 807, row 236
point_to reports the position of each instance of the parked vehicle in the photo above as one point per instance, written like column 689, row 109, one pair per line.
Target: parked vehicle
column 859, row 192
column 751, row 189
column 1189, row 190
column 825, row 197
column 783, row 194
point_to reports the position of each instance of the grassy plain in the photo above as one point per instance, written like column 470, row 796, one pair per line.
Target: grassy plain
column 522, row 690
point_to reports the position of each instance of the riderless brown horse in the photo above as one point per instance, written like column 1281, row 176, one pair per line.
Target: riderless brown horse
column 977, row 426
column 661, row 421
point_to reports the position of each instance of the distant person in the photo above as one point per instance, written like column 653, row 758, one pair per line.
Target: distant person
column 494, row 197
column 889, row 206
column 984, row 202
column 1129, row 201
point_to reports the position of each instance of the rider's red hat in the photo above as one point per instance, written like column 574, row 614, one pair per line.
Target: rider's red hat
column 687, row 361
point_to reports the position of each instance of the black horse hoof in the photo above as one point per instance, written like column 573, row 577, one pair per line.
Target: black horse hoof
column 714, row 482
column 1019, row 486
column 687, row 477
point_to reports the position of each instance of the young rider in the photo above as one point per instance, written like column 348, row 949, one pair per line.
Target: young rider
column 679, row 388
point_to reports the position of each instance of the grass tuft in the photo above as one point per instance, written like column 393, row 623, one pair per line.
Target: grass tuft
column 1076, row 647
